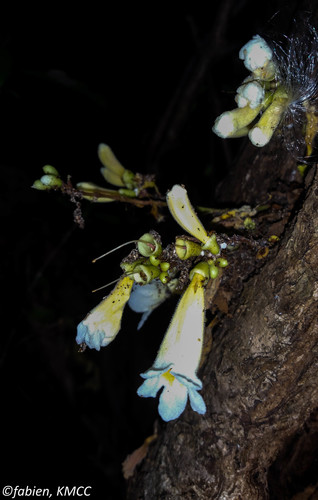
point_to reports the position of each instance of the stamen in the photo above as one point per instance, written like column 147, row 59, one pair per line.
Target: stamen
column 123, row 245
column 112, row 282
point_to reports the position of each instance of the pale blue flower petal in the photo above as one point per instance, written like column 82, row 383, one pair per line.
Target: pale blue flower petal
column 172, row 401
column 144, row 318
column 93, row 341
column 145, row 298
column 197, row 402
column 150, row 387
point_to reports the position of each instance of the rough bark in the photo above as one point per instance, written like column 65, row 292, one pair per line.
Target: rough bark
column 260, row 377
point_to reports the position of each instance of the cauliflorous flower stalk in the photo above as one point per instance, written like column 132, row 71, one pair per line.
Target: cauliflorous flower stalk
column 184, row 214
column 178, row 358
column 102, row 324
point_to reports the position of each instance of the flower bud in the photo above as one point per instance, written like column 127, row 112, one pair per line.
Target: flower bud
column 51, row 181
column 221, row 262
column 49, row 169
column 144, row 274
column 39, row 186
column 187, row 248
column 202, row 268
column 214, row 271
column 212, row 245
column 148, row 245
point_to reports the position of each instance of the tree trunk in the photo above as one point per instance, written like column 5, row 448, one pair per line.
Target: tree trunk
column 258, row 439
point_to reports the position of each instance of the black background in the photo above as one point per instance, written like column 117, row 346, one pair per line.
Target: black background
column 68, row 82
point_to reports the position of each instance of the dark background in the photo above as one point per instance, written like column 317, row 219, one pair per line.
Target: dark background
column 148, row 81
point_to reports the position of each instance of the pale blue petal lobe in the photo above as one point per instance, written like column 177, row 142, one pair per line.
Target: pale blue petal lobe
column 149, row 387
column 93, row 341
column 144, row 317
column 172, row 402
column 197, row 402
column 81, row 333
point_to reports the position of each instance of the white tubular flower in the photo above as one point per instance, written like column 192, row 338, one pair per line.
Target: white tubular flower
column 144, row 299
column 251, row 93
column 235, row 123
column 182, row 211
column 102, row 324
column 178, row 358
column 255, row 53
column 264, row 129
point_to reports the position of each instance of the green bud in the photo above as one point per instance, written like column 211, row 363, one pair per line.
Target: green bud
column 128, row 178
column 187, row 248
column 221, row 262
column 39, row 186
column 49, row 169
column 128, row 267
column 201, row 268
column 164, row 277
column 214, row 271
column 212, row 245
column 154, row 260
column 51, row 181
column 144, row 274
column 164, row 266
column 147, row 245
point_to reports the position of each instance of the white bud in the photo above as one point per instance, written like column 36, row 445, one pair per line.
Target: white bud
column 224, row 125
column 252, row 93
column 51, row 180
column 255, row 53
column 258, row 137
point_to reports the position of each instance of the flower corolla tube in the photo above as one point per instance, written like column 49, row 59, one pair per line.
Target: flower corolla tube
column 182, row 211
column 102, row 324
column 174, row 369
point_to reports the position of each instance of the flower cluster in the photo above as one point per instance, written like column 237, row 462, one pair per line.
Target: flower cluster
column 50, row 180
column 131, row 187
column 260, row 93
column 151, row 274
column 129, row 184
column 280, row 92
